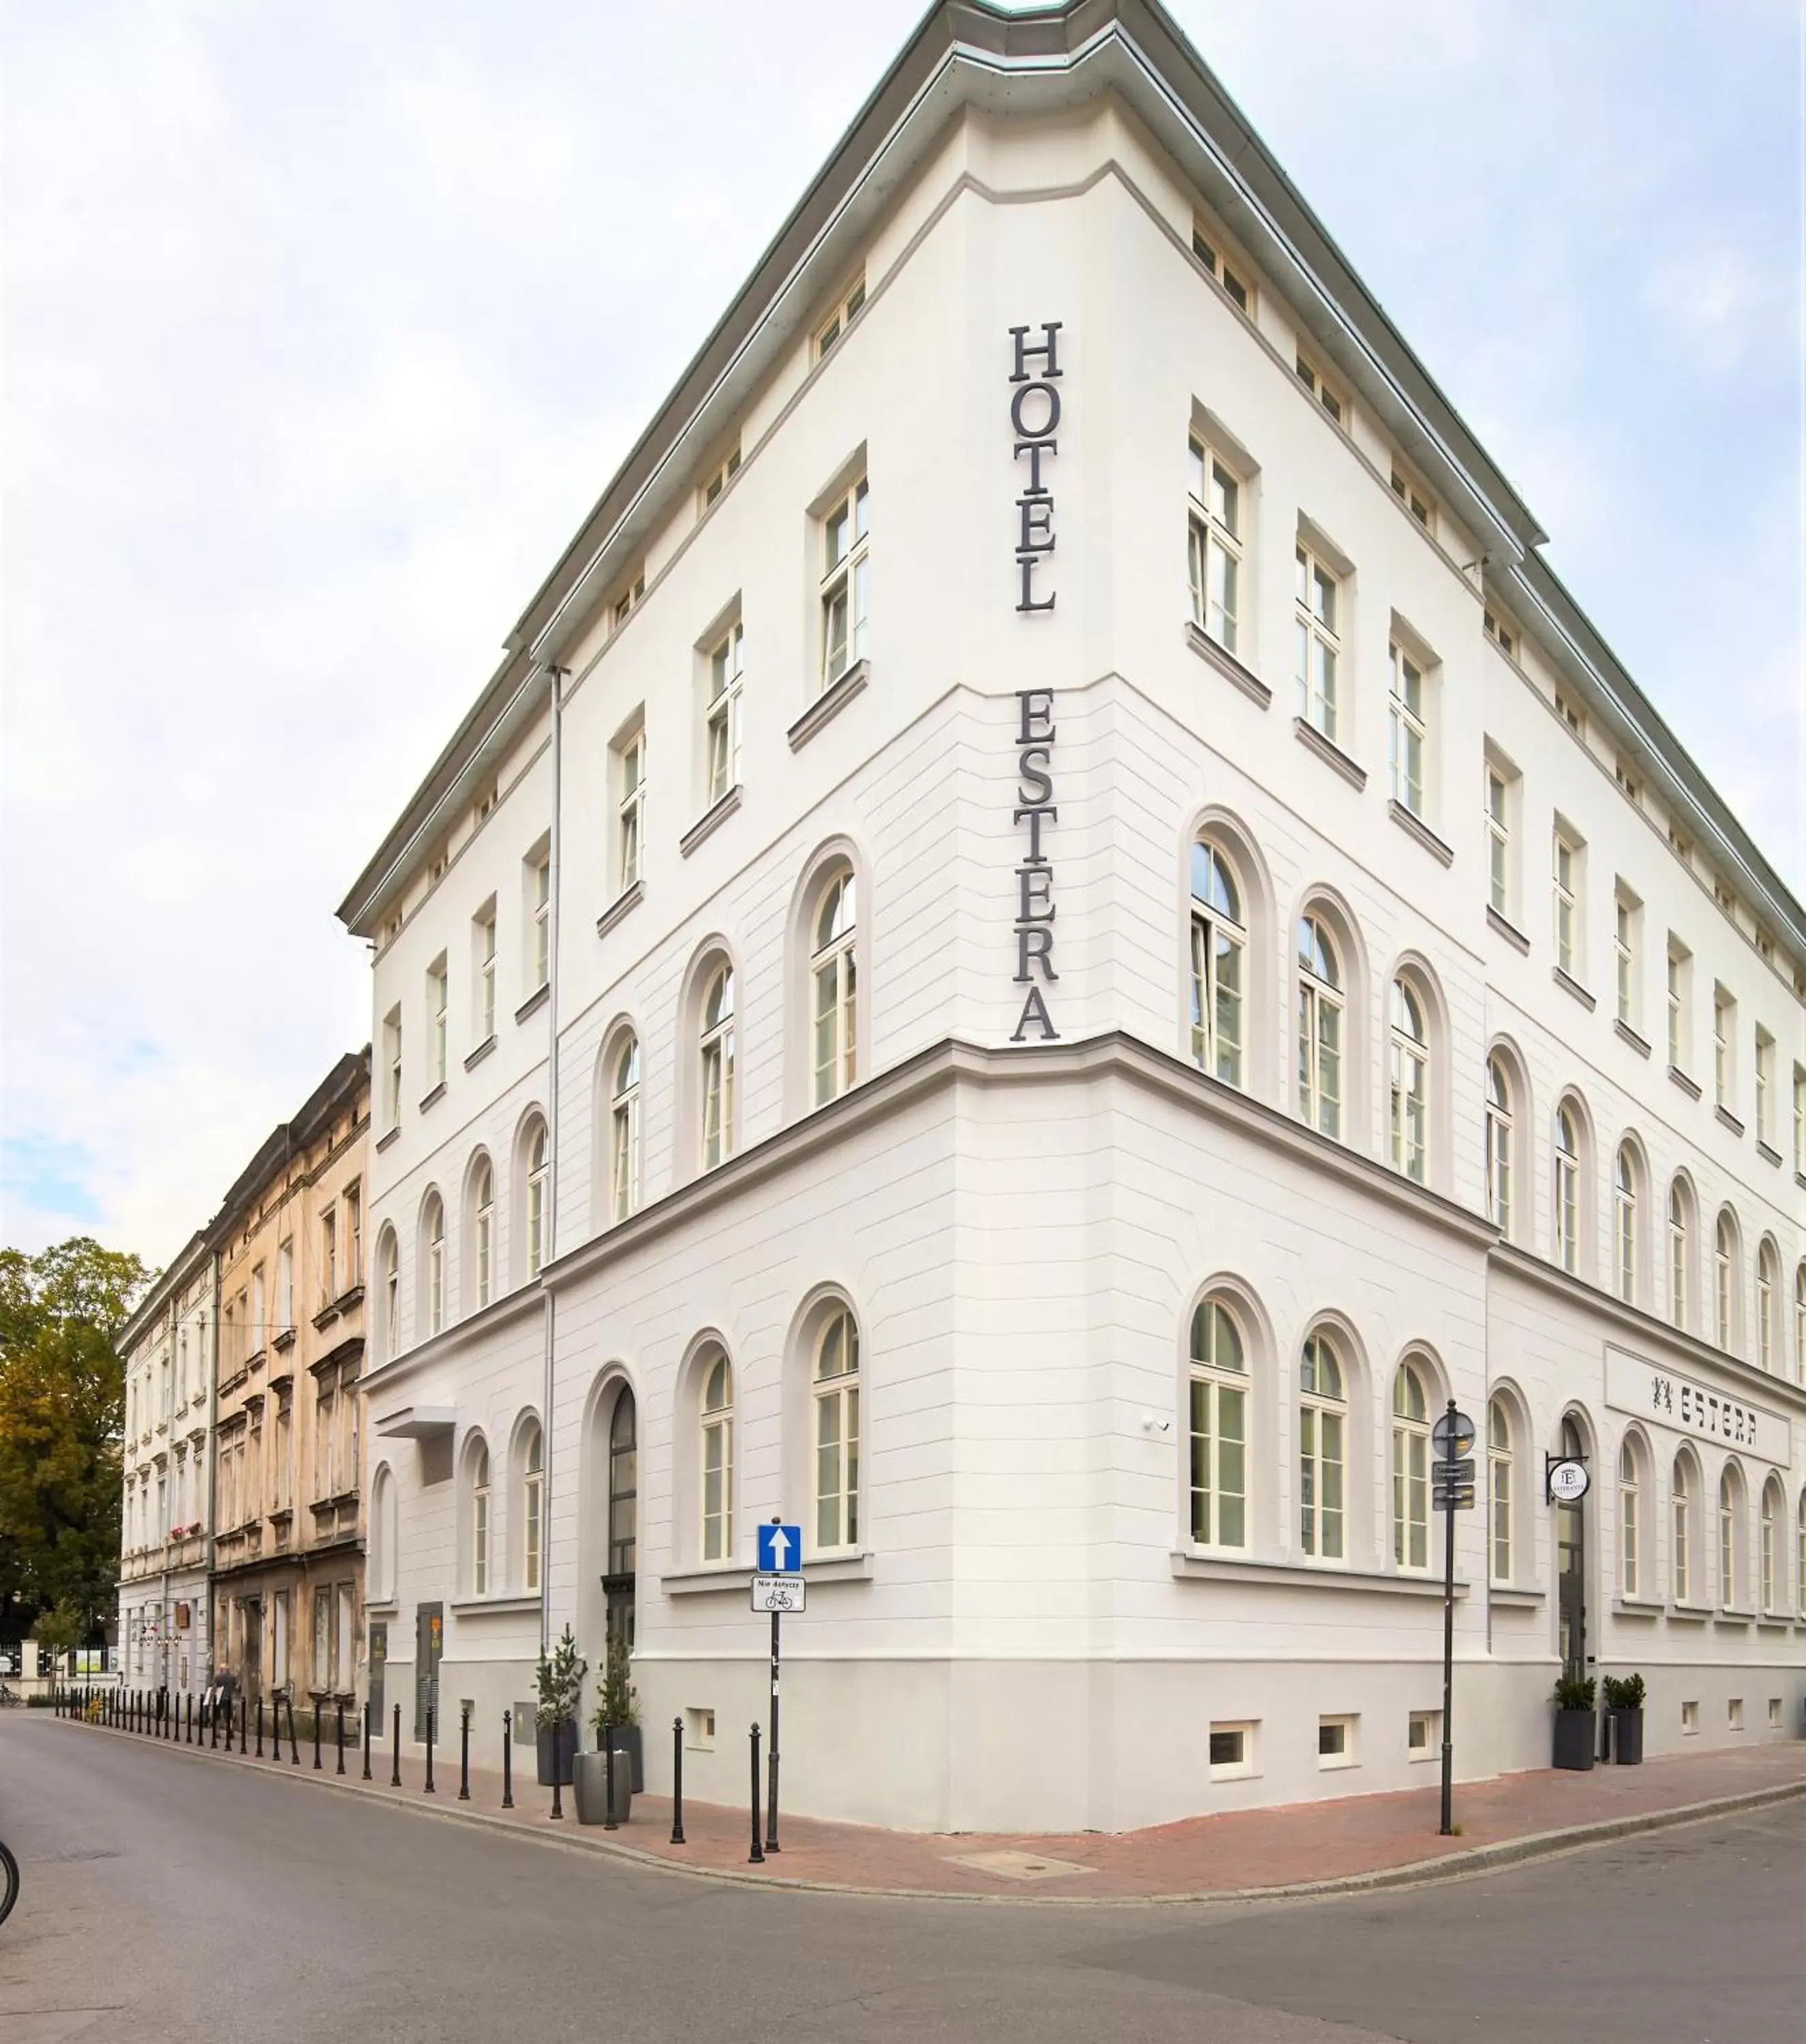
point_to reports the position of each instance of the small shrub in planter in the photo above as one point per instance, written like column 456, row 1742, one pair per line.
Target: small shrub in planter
column 617, row 1706
column 1624, row 1695
column 558, row 1684
column 1574, row 1724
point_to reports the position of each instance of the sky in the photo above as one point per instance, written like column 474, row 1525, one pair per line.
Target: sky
column 323, row 326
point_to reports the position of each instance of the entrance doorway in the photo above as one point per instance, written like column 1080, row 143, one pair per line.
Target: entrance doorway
column 429, row 1646
column 1571, row 1567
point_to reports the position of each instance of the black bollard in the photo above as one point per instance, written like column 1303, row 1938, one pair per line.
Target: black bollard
column 316, row 1734
column 294, row 1749
column 244, row 1724
column 213, row 1723
column 396, row 1776
column 677, row 1781
column 431, row 1727
column 191, row 1715
column 228, row 1724
column 464, row 1754
column 366, row 1738
column 507, row 1759
column 339, row 1769
column 757, row 1856
column 259, row 1727
column 608, row 1823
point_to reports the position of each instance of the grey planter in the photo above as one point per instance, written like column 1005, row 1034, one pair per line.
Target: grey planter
column 1627, row 1736
column 557, row 1748
column 591, row 1771
column 1574, row 1735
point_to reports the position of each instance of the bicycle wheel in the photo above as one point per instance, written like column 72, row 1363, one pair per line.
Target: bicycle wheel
column 9, row 1882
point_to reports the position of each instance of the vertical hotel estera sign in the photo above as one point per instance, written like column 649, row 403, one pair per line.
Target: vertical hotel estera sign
column 1034, row 426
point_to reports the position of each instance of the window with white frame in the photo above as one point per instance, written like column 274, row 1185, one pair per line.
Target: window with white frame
column 716, row 1052
column 1680, row 1255
column 1322, row 1426
column 1680, row 1531
column 1800, row 1118
column 391, row 1298
column 1799, row 1558
column 716, row 1432
column 539, row 1176
column 392, row 1059
column 629, row 808
column 1317, row 627
column 432, row 1232
column 539, row 898
column 1630, row 1521
column 1729, row 1538
column 1501, row 1124
column 1219, row 945
column 1567, row 1191
column 1214, row 544
column 1767, row 1276
column 1724, row 1281
column 1415, row 501
column 532, row 1507
column 1765, row 1087
column 1204, row 246
column 828, row 333
column 285, row 1290
column 1565, row 867
column 1769, row 1550
column 438, row 1003
column 836, row 1397
column 719, row 477
column 1624, row 957
column 1409, row 1060
column 330, row 1286
column 1499, row 1465
column 624, row 1131
column 1503, row 634
column 482, row 1196
column 1624, row 1222
column 1407, row 732
column 1320, row 1003
column 1799, row 1323
column 723, row 722
column 846, row 537
column 1219, row 1433
column 479, row 1522
column 1498, row 840
column 483, row 950
column 1411, row 1469
column 1725, row 1034
column 629, row 599
column 834, row 988
column 1679, row 987
column 1320, row 388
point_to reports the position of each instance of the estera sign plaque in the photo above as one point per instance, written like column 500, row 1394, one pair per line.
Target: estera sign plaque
column 1666, row 1398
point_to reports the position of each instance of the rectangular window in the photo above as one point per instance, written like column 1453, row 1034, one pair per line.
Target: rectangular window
column 1408, row 734
column 343, row 1641
column 1626, row 916
column 1423, row 1734
column 1316, row 619
column 1415, row 501
column 1724, row 1050
column 1765, row 1087
column 629, row 599
column 1733, row 1713
column 846, row 534
column 483, row 931
column 719, row 478
column 392, row 1062
column 1570, row 714
column 320, row 1675
column 353, row 1235
column 629, row 808
column 1632, row 787
column 1335, row 1741
column 1499, row 839
column 1679, row 988
column 723, row 729
column 329, row 1285
column 539, row 900
column 438, row 1003
column 1320, row 388
column 1227, row 274
column 1565, row 871
column 1800, row 1160
column 259, row 1331
column 1503, row 634
column 829, row 333
column 1214, row 544
column 1232, row 1752
column 1689, row 1720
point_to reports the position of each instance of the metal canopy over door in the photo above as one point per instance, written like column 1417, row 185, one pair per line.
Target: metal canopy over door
column 429, row 1646
column 1571, row 1568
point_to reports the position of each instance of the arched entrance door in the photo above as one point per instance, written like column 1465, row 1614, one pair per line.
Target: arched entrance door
column 1571, row 1567
column 623, row 1521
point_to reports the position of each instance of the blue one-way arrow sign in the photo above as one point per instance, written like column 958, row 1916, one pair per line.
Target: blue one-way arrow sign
column 780, row 1550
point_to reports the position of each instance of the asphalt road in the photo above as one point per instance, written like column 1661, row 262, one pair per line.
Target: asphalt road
column 168, row 1896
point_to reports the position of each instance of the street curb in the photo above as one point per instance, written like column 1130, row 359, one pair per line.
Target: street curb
column 1471, row 1860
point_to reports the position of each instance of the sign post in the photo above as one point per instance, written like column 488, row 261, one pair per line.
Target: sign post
column 777, row 1587
column 1451, row 1491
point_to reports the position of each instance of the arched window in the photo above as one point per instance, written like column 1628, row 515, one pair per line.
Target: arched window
column 837, row 1432
column 538, row 1174
column 533, row 1507
column 1799, row 1557
column 1771, row 1586
column 1725, row 1281
column 1630, row 1520
column 483, row 1230
column 833, row 984
column 432, row 1232
column 1323, row 1426
column 1410, row 1081
column 1680, row 1531
column 716, row 1050
column 624, row 1131
column 1499, row 1489
column 479, row 1522
column 1219, row 1429
column 391, row 1297
column 1624, row 1222
column 1678, row 1254
column 1320, row 1000
column 717, row 1458
column 623, row 1484
column 1730, row 1538
column 383, row 1536
column 1499, row 1127
column 1567, row 1191
column 1219, row 947
column 1766, row 1279
column 1410, row 1469
column 1799, row 1323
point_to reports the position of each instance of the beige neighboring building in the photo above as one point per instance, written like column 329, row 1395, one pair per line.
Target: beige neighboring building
column 288, row 1547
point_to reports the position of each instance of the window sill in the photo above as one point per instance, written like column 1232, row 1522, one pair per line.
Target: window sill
column 1732, row 1619
column 1327, row 749
column 829, row 704
column 482, row 1051
column 1768, row 1153
column 1771, row 1621
column 1226, row 663
column 534, row 1001
column 1569, row 985
column 284, row 1342
column 1509, row 931
column 383, row 1608
column 1624, row 1607
column 383, row 1141
column 709, row 822
column 1623, row 1030
column 1723, row 1115
column 1413, row 825
column 434, row 1098
column 1188, row 1564
column 1689, row 1614
column 629, row 899
column 710, row 1578
column 1689, row 1087
column 497, row 1607
column 1516, row 1597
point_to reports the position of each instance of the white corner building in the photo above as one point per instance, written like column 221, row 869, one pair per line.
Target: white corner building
column 1053, row 931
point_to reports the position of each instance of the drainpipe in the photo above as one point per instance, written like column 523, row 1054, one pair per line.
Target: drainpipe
column 164, row 1626
column 555, row 861
column 213, row 1467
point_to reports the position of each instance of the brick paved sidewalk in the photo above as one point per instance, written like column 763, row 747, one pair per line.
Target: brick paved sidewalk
column 1237, row 1853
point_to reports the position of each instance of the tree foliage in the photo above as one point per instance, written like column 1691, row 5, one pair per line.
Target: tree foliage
column 62, row 1415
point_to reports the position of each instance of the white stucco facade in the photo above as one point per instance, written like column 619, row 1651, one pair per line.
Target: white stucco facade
column 1031, row 1626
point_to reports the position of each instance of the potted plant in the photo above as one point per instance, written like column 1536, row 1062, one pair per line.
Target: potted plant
column 558, row 1684
column 1624, row 1695
column 617, row 1706
column 1574, row 1722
